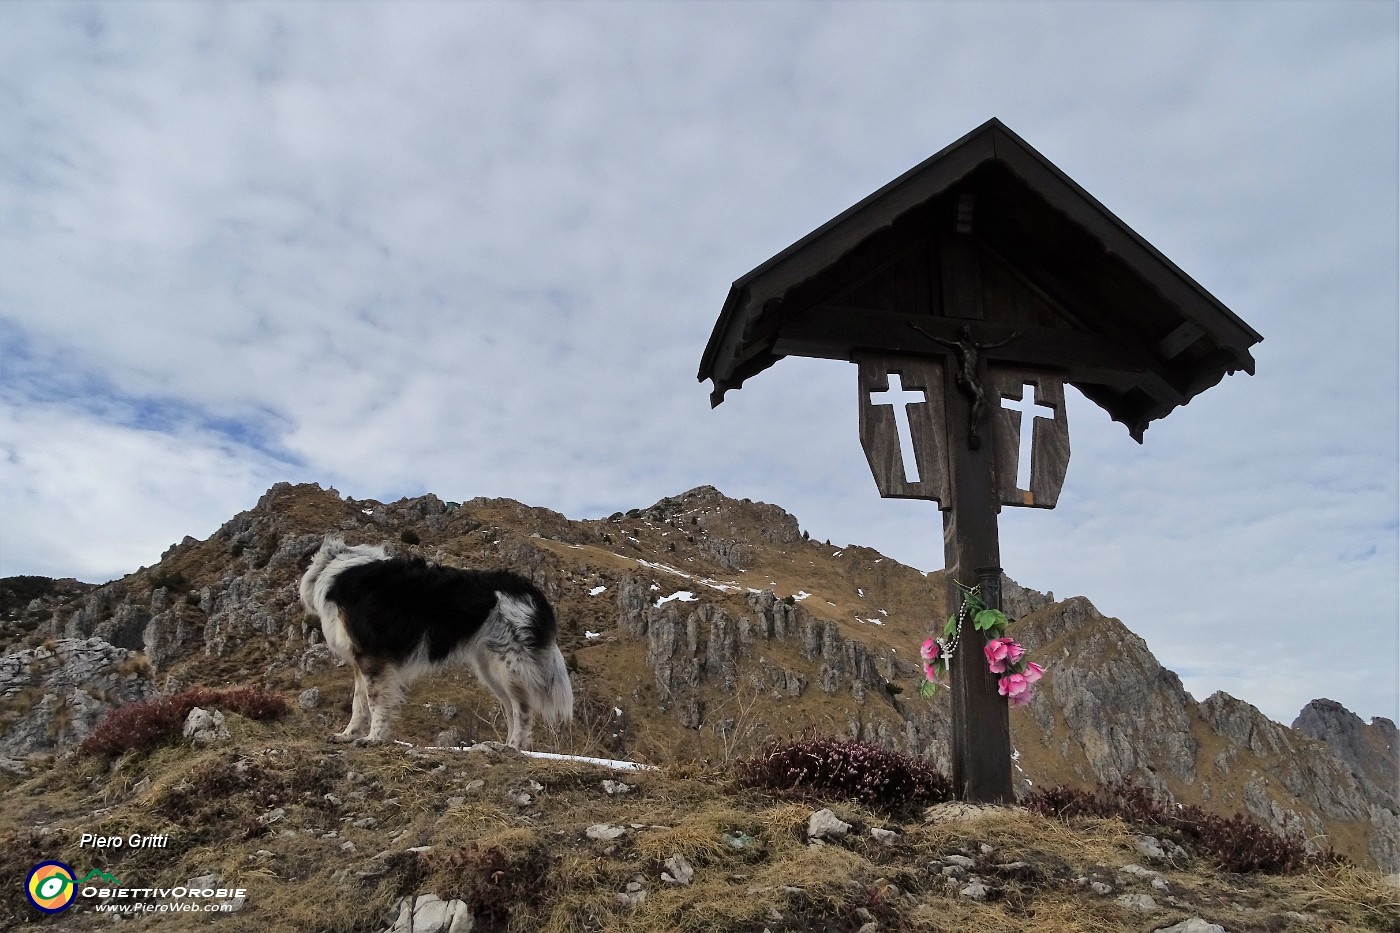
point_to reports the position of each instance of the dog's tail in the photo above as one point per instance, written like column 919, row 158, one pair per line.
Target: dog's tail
column 555, row 696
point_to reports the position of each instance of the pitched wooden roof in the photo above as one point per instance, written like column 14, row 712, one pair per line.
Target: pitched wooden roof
column 1086, row 294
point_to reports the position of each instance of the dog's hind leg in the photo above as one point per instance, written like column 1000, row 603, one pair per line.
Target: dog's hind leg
column 499, row 680
column 359, row 710
column 525, row 716
column 384, row 690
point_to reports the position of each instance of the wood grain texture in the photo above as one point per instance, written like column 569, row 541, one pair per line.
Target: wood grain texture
column 1050, row 437
column 879, row 427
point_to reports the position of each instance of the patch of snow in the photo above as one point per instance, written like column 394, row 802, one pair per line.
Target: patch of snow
column 882, row 612
column 613, row 763
column 874, row 621
column 367, row 511
column 664, row 567
column 838, row 554
column 588, row 634
column 685, row 596
column 596, row 590
column 860, row 592
column 800, row 595
column 617, row 712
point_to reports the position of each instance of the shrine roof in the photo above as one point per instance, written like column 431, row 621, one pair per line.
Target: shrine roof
column 1136, row 334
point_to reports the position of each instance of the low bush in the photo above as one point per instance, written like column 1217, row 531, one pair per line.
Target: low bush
column 1235, row 843
column 148, row 723
column 495, row 883
column 872, row 775
column 172, row 580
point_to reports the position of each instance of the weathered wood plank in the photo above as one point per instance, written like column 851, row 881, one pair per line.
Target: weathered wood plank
column 1049, row 436
column 881, row 426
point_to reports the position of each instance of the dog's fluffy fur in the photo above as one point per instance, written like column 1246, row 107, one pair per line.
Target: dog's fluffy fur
column 395, row 619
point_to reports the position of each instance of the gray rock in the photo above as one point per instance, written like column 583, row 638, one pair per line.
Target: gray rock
column 430, row 914
column 826, row 825
column 604, row 831
column 678, row 870
column 1194, row 925
column 975, row 890
column 309, row 698
column 883, row 836
column 1157, row 850
column 1142, row 903
column 205, row 727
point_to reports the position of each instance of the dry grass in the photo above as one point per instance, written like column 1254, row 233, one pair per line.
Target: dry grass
column 314, row 868
column 1359, row 896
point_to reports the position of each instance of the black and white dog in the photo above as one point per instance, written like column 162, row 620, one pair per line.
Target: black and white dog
column 395, row 619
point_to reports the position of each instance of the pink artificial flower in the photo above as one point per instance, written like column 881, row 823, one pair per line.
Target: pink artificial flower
column 930, row 672
column 1020, row 699
column 1033, row 672
column 1013, row 685
column 1002, row 653
column 929, row 650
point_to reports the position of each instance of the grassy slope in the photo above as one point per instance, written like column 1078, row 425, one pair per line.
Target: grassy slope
column 337, row 857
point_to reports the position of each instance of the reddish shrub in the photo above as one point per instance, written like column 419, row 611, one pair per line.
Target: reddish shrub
column 148, row 723
column 859, row 771
column 1236, row 843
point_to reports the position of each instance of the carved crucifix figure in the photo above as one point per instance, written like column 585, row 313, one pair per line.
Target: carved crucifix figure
column 968, row 378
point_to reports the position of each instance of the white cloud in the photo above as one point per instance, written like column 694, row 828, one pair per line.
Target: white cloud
column 477, row 249
column 85, row 497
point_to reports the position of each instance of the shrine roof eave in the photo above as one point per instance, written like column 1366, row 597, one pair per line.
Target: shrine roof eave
column 739, row 347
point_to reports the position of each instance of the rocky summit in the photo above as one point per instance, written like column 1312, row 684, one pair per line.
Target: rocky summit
column 697, row 629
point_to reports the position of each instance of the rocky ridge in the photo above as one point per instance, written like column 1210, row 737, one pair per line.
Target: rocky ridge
column 702, row 626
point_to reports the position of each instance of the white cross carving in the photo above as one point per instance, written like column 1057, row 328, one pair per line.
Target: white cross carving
column 1027, row 408
column 900, row 400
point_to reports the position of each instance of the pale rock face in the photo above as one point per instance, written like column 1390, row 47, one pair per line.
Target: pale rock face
column 61, row 692
column 1129, row 714
column 1371, row 752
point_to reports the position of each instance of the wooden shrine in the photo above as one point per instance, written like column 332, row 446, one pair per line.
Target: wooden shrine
column 970, row 291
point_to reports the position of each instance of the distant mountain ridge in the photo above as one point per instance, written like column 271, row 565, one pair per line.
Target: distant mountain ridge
column 700, row 625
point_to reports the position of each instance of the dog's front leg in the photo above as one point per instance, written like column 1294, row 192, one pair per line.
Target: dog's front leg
column 359, row 711
column 383, row 690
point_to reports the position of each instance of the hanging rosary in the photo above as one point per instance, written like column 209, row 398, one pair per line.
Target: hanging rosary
column 946, row 648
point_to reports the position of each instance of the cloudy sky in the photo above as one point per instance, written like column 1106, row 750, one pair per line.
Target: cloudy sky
column 477, row 249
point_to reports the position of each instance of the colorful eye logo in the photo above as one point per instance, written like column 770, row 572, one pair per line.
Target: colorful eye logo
column 50, row 886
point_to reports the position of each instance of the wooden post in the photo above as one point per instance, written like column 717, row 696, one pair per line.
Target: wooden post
column 971, row 550
column 972, row 555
